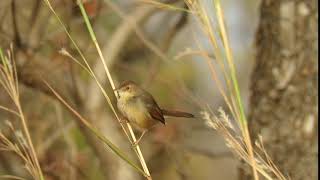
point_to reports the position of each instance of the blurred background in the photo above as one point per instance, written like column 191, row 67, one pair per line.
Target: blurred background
column 143, row 43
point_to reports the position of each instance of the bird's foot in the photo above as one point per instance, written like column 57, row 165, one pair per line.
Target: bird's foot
column 124, row 121
column 135, row 144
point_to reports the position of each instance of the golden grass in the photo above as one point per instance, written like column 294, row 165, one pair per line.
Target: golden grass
column 24, row 149
column 222, row 124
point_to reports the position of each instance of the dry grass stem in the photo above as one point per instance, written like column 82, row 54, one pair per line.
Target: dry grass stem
column 9, row 82
column 164, row 6
column 94, row 39
column 95, row 131
column 89, row 69
column 224, row 126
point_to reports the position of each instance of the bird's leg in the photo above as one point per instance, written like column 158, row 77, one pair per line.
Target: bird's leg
column 138, row 140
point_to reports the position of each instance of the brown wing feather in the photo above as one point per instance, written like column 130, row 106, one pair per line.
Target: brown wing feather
column 153, row 108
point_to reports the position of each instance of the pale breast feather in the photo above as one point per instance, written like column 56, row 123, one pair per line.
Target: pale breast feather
column 135, row 112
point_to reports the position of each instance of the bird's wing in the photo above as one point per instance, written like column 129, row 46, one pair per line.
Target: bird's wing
column 153, row 108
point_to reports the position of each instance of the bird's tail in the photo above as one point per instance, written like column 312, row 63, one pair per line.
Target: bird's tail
column 176, row 113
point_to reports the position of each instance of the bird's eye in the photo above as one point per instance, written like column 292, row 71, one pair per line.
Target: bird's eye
column 128, row 87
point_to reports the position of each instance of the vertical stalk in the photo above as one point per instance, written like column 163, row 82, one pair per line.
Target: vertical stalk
column 94, row 39
column 243, row 119
column 30, row 144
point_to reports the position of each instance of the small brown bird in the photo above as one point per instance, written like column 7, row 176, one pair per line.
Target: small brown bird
column 140, row 108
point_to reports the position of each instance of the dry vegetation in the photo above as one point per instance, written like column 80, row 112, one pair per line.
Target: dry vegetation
column 68, row 73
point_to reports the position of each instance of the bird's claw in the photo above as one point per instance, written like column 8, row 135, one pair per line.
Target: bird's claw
column 123, row 121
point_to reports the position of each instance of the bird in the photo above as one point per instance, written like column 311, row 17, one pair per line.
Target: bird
column 139, row 108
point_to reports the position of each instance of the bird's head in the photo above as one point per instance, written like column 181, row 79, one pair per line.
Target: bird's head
column 128, row 89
